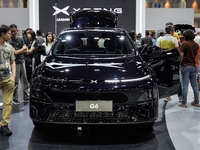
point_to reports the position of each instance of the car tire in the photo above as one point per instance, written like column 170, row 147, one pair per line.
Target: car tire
column 146, row 125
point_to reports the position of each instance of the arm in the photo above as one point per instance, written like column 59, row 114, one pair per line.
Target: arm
column 13, row 68
column 198, row 56
column 181, row 57
column 30, row 51
column 176, row 45
column 22, row 50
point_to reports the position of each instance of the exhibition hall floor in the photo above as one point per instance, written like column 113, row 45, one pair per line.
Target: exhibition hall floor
column 176, row 128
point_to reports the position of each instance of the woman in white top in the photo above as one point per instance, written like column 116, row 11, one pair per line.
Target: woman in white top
column 47, row 45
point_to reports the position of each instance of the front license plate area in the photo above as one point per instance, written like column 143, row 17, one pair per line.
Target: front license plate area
column 94, row 106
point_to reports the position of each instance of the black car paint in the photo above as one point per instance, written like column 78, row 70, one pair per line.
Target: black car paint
column 133, row 87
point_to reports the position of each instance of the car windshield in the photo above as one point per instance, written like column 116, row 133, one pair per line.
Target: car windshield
column 93, row 43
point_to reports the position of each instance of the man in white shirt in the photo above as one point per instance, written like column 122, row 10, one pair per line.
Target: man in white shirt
column 168, row 41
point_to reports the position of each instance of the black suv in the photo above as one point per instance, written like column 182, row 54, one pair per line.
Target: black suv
column 94, row 75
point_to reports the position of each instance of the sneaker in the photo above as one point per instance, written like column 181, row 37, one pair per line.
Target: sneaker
column 16, row 102
column 167, row 99
column 5, row 130
column 193, row 103
column 1, row 104
column 26, row 100
column 181, row 105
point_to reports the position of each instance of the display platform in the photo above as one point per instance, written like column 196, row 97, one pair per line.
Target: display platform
column 176, row 128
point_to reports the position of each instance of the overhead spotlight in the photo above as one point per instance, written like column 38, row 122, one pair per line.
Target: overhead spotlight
column 167, row 4
column 195, row 5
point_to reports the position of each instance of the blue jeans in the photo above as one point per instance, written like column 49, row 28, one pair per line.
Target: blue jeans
column 180, row 88
column 189, row 73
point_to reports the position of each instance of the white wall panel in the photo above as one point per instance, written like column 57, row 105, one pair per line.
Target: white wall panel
column 18, row 16
column 157, row 17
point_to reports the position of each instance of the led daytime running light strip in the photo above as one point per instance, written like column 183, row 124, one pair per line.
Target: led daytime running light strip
column 127, row 80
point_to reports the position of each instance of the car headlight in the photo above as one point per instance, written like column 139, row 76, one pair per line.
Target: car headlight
column 127, row 80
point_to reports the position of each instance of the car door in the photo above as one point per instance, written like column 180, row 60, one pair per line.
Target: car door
column 165, row 63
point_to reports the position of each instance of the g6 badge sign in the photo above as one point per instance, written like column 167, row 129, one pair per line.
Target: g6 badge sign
column 94, row 106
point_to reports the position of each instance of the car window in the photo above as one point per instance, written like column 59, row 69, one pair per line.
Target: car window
column 93, row 43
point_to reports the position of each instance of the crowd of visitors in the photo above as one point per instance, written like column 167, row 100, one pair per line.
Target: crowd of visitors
column 18, row 58
column 187, row 44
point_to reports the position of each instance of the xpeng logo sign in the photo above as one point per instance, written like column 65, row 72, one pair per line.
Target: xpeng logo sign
column 65, row 11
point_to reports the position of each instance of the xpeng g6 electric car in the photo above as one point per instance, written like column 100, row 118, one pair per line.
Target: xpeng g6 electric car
column 94, row 75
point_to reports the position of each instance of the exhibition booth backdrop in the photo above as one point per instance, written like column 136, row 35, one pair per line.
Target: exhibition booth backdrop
column 51, row 10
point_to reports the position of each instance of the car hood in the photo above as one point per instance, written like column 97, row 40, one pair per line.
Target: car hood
column 64, row 67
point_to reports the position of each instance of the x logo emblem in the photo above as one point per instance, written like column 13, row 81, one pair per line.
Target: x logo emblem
column 57, row 10
column 93, row 81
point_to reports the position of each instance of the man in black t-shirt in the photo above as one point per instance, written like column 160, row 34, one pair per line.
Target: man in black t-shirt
column 39, row 37
column 147, row 40
column 19, row 49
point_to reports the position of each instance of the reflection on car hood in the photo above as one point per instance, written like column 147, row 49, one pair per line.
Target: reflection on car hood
column 98, row 68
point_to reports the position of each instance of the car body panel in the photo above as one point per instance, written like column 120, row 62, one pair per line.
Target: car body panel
column 179, row 27
column 82, row 72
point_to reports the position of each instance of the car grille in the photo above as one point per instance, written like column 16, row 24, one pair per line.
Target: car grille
column 120, row 114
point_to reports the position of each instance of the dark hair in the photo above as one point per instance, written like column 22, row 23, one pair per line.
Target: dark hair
column 161, row 33
column 169, row 23
column 188, row 35
column 152, row 34
column 4, row 29
column 132, row 34
column 13, row 26
column 52, row 37
column 26, row 30
column 168, row 29
column 32, row 33
column 39, row 33
column 147, row 32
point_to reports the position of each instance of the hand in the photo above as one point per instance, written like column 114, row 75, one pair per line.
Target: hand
column 25, row 49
